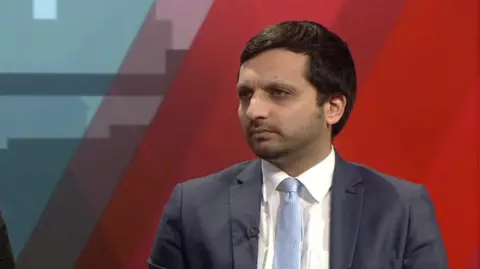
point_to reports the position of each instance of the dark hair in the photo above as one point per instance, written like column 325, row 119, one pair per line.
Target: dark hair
column 331, row 68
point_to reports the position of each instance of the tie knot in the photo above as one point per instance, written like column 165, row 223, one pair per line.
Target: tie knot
column 288, row 185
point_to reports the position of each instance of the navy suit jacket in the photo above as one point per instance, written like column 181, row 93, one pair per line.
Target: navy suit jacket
column 377, row 222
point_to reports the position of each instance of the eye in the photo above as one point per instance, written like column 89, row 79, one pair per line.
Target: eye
column 279, row 92
column 245, row 93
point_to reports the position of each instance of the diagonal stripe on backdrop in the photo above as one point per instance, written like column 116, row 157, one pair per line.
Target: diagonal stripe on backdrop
column 183, row 30
column 97, row 167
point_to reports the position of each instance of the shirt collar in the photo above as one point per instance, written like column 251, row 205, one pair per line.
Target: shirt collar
column 317, row 180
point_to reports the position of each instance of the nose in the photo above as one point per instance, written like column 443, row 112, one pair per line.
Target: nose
column 258, row 107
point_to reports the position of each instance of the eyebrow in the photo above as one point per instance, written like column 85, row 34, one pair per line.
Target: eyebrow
column 243, row 87
column 279, row 84
column 268, row 84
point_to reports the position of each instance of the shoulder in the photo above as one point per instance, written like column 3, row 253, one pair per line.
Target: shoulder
column 215, row 181
column 386, row 187
column 206, row 192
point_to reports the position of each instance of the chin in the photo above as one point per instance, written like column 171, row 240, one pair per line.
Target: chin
column 267, row 152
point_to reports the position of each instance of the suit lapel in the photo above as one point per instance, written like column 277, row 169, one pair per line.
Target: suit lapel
column 346, row 211
column 245, row 201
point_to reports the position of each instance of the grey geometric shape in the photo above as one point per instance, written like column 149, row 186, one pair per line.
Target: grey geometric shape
column 93, row 175
column 187, row 17
column 91, row 36
column 89, row 182
column 42, row 116
column 30, row 170
column 148, row 56
column 79, row 199
column 123, row 110
column 134, row 84
column 92, row 84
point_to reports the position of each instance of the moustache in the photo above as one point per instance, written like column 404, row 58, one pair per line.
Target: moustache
column 256, row 127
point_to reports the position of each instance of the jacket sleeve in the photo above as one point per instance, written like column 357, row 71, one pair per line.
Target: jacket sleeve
column 425, row 248
column 168, row 252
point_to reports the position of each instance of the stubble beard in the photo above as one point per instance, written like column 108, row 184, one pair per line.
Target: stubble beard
column 289, row 150
column 290, row 153
column 285, row 150
column 267, row 152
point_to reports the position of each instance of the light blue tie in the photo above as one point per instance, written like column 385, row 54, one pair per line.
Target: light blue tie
column 289, row 236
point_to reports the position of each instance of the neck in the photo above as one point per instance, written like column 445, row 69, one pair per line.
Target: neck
column 296, row 163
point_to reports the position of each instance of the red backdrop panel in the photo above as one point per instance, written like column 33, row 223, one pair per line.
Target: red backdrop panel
column 415, row 118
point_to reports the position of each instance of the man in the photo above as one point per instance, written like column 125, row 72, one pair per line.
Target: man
column 301, row 206
column 6, row 256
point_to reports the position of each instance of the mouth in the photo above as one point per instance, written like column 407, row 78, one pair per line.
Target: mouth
column 260, row 131
column 261, row 134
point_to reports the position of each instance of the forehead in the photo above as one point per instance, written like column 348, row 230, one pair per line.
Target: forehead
column 274, row 65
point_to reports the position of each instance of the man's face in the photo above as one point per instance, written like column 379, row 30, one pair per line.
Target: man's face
column 278, row 106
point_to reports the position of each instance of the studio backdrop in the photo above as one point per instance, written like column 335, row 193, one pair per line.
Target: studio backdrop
column 106, row 105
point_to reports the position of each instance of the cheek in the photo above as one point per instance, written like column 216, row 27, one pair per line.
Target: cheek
column 291, row 123
column 243, row 119
column 303, row 123
column 240, row 113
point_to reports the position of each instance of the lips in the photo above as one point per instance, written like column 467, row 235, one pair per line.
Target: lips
column 260, row 131
column 262, row 134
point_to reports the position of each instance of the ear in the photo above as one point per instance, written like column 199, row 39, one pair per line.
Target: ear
column 334, row 108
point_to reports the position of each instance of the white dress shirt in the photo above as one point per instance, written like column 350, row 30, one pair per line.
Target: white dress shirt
column 315, row 199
